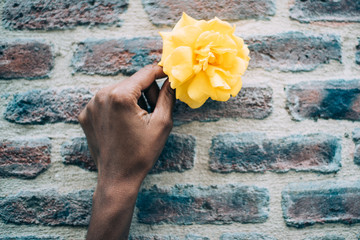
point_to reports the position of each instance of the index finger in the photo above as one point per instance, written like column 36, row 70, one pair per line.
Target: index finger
column 146, row 76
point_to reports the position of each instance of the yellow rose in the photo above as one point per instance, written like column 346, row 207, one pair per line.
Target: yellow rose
column 203, row 59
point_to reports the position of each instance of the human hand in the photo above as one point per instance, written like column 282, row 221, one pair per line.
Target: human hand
column 125, row 141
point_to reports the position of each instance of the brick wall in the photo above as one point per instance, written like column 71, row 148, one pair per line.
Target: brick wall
column 279, row 161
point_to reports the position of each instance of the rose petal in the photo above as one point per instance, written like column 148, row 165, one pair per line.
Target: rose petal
column 185, row 20
column 179, row 64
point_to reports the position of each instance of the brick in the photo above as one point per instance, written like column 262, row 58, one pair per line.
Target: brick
column 30, row 238
column 195, row 237
column 326, row 237
column 24, row 158
column 305, row 204
column 357, row 53
column 293, row 51
column 356, row 139
column 76, row 152
column 334, row 99
column 28, row 59
column 47, row 106
column 111, row 57
column 47, row 207
column 168, row 12
column 188, row 204
column 252, row 102
column 177, row 156
column 245, row 236
column 153, row 237
column 254, row 152
column 61, row 14
column 320, row 10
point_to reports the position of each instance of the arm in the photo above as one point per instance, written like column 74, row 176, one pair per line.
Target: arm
column 125, row 141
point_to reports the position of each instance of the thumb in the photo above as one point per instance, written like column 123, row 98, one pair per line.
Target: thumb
column 165, row 104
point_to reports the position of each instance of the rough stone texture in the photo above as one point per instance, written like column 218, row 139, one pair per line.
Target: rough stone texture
column 293, row 51
column 30, row 238
column 25, row 59
column 110, row 57
column 251, row 102
column 153, row 237
column 195, row 237
column 76, row 152
column 245, row 236
column 356, row 139
column 177, row 156
column 326, row 237
column 320, row 10
column 254, row 152
column 168, row 12
column 188, row 204
column 357, row 53
column 47, row 106
column 25, row 158
column 305, row 204
column 60, row 14
column 47, row 208
column 335, row 99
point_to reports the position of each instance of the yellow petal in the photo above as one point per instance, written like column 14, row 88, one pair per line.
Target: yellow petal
column 185, row 20
column 179, row 64
column 236, row 89
column 186, row 36
column 199, row 89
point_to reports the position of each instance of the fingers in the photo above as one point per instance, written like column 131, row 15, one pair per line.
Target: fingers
column 164, row 106
column 146, row 76
column 152, row 94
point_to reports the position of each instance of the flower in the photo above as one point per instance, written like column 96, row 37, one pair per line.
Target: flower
column 203, row 59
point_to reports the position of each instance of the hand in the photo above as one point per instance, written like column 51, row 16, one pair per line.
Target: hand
column 125, row 141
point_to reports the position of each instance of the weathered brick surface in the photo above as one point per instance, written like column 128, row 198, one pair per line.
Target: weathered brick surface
column 168, row 12
column 357, row 53
column 47, row 208
column 326, row 237
column 293, row 51
column 335, row 99
column 25, row 158
column 47, row 106
column 60, row 14
column 178, row 154
column 76, row 152
column 188, row 204
column 251, row 102
column 305, row 204
column 153, row 237
column 25, row 59
column 245, row 236
column 254, row 152
column 195, row 237
column 30, row 238
column 110, row 57
column 356, row 138
column 320, row 10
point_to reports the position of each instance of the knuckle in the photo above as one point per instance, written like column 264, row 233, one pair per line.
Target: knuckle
column 100, row 97
column 119, row 97
column 82, row 118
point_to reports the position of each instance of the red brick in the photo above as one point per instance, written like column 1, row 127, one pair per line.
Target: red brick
column 306, row 204
column 47, row 106
column 188, row 204
column 168, row 12
column 177, row 156
column 335, row 99
column 111, row 57
column 47, row 207
column 254, row 152
column 61, row 14
column 25, row 59
column 252, row 102
column 293, row 51
column 25, row 158
column 320, row 10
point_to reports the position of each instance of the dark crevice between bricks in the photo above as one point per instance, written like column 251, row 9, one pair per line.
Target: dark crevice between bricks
column 177, row 156
column 356, row 139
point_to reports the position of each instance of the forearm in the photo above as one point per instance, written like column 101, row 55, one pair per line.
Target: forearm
column 113, row 206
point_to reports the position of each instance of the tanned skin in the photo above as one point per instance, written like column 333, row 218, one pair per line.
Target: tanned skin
column 125, row 141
